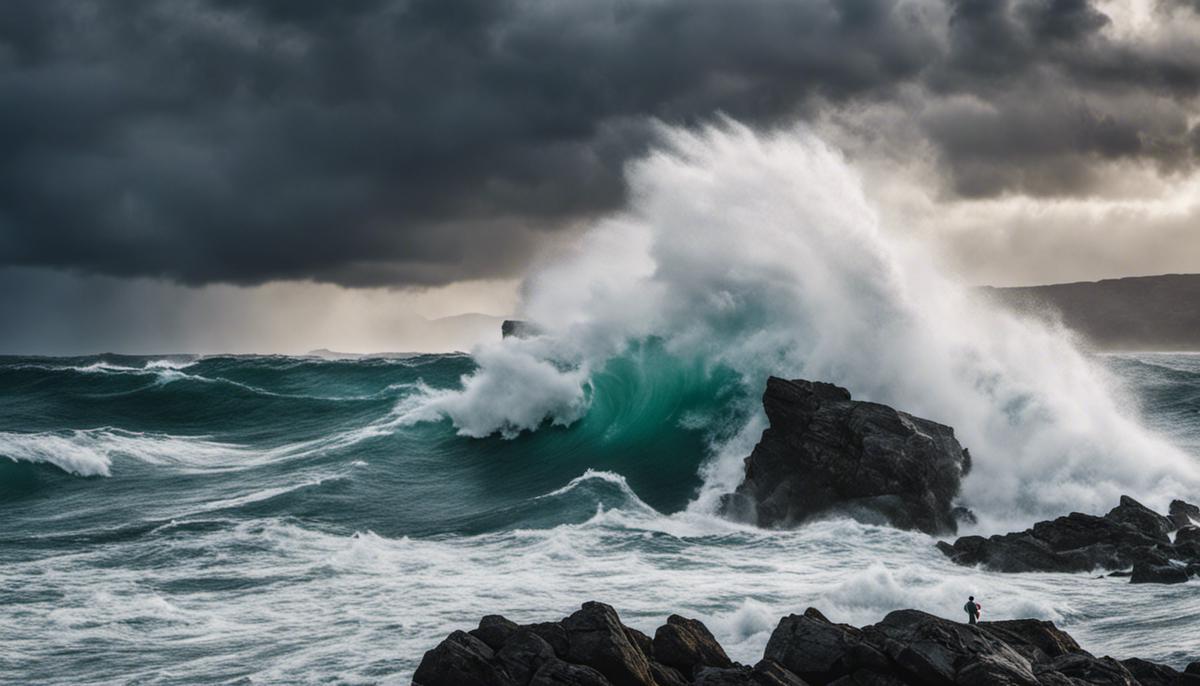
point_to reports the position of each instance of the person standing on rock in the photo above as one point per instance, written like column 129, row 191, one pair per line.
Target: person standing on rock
column 972, row 609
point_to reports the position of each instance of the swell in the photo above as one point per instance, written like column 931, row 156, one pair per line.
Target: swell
column 651, row 418
column 253, row 401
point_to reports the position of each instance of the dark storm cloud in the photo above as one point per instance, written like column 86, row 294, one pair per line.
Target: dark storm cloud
column 410, row 142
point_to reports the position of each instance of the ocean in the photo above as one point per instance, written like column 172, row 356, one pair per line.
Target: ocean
column 283, row 520
column 293, row 520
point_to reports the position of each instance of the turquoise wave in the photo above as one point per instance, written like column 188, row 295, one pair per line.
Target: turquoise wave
column 161, row 438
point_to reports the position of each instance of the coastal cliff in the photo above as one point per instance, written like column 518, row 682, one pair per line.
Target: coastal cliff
column 1134, row 313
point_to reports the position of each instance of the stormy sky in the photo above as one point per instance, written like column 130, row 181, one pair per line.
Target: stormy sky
column 212, row 159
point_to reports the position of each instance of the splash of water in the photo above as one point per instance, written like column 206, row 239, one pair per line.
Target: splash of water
column 762, row 254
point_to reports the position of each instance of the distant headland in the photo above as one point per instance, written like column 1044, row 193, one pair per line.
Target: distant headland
column 1134, row 313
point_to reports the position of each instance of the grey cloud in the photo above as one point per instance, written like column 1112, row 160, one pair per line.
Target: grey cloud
column 418, row 142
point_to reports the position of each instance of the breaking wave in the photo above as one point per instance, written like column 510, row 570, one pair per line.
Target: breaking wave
column 760, row 254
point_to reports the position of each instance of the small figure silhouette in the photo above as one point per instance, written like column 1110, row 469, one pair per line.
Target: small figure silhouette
column 972, row 609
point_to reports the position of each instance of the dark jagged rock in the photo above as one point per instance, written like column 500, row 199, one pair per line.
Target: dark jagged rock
column 908, row 648
column 1149, row 673
column 494, row 630
column 824, row 453
column 964, row 515
column 1188, row 534
column 517, row 328
column 559, row 673
column 643, row 642
column 1083, row 667
column 818, row 650
column 931, row 650
column 1158, row 574
column 1130, row 535
column 461, row 660
column 765, row 673
column 687, row 645
column 523, row 654
column 1143, row 519
column 667, row 676
column 1035, row 639
column 1184, row 514
column 597, row 639
column 868, row 678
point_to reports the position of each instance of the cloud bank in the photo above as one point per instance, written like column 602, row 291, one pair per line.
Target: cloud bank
column 414, row 143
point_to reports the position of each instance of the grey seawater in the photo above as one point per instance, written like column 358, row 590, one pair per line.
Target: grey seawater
column 227, row 558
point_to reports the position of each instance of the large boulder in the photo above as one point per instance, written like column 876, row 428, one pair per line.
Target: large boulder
column 1142, row 519
column 1188, row 535
column 820, row 651
column 1184, row 514
column 523, row 655
column 495, row 631
column 1150, row 673
column 461, row 660
column 1158, row 574
column 597, row 639
column 688, row 645
column 825, row 453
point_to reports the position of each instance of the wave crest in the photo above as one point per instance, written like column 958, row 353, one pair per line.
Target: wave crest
column 763, row 255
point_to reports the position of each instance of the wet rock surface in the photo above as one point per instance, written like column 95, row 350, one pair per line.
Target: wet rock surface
column 1130, row 536
column 826, row 454
column 593, row 648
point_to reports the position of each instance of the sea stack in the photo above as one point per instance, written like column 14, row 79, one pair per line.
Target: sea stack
column 825, row 453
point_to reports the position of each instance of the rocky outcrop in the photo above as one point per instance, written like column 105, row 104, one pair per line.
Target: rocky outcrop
column 518, row 328
column 687, row 645
column 1131, row 535
column 593, row 648
column 825, row 453
column 1184, row 514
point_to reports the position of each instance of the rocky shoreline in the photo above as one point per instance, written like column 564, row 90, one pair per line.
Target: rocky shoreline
column 592, row 647
column 1132, row 539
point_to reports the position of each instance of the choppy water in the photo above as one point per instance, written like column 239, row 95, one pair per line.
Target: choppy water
column 282, row 520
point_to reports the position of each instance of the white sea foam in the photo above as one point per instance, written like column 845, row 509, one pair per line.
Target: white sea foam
column 90, row 452
column 394, row 598
column 170, row 364
column 761, row 253
column 65, row 451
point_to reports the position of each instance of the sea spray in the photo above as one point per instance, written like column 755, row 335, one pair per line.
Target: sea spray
column 761, row 254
